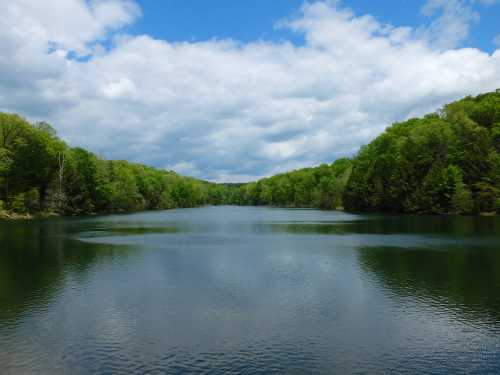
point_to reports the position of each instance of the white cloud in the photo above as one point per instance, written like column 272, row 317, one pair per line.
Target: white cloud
column 184, row 167
column 451, row 21
column 225, row 110
column 69, row 24
column 452, row 26
column 121, row 88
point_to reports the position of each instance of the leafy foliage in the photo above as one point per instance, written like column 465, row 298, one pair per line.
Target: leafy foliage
column 320, row 187
column 39, row 172
column 445, row 162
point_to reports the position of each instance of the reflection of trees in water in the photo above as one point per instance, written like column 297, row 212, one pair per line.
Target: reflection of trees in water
column 464, row 278
column 34, row 259
column 421, row 225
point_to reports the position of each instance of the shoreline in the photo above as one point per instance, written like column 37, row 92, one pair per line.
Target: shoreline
column 13, row 216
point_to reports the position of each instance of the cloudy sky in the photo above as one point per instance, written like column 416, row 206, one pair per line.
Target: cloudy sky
column 235, row 90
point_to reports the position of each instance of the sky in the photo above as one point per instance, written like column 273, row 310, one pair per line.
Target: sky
column 232, row 91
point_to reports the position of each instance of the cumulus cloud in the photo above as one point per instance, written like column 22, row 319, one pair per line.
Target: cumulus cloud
column 67, row 24
column 221, row 109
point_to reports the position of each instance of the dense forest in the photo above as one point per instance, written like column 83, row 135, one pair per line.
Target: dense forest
column 40, row 173
column 320, row 187
column 445, row 162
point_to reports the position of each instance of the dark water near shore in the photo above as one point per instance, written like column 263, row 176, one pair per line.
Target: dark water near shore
column 250, row 290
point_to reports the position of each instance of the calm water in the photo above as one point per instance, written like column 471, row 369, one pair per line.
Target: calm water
column 250, row 290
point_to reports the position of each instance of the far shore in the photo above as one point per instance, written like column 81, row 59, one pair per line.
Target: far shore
column 5, row 215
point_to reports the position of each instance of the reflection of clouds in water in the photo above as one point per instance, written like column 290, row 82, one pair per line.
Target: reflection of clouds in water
column 233, row 292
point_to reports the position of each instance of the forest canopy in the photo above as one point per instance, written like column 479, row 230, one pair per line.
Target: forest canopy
column 444, row 162
column 40, row 173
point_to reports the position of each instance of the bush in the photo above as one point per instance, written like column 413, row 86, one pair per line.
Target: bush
column 32, row 200
column 497, row 206
column 18, row 203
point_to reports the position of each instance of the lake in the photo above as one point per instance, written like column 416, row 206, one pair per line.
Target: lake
column 250, row 290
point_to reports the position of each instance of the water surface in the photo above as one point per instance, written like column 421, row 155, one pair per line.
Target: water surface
column 250, row 290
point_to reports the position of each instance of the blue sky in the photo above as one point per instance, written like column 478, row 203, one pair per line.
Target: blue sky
column 246, row 21
column 230, row 90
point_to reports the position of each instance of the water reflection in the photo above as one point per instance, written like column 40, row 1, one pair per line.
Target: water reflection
column 457, row 226
column 35, row 259
column 249, row 290
column 461, row 277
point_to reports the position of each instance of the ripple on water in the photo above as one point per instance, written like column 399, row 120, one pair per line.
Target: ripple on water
column 250, row 291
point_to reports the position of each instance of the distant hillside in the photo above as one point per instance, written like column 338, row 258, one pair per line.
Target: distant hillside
column 445, row 162
column 39, row 173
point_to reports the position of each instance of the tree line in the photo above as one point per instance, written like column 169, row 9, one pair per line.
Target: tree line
column 320, row 187
column 41, row 173
column 445, row 162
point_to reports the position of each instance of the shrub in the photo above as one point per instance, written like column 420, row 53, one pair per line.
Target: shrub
column 18, row 203
column 32, row 200
column 497, row 206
